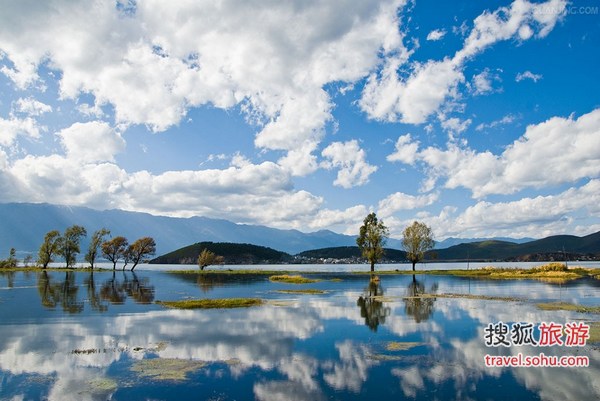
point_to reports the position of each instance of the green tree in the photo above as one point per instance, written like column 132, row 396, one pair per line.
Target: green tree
column 95, row 243
column 49, row 248
column 11, row 262
column 69, row 244
column 207, row 258
column 141, row 248
column 114, row 249
column 417, row 239
column 372, row 238
column 27, row 260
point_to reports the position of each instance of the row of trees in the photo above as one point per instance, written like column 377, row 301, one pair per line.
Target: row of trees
column 114, row 249
column 416, row 240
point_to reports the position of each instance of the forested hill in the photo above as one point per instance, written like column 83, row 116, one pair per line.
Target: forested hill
column 233, row 254
column 557, row 247
column 349, row 254
column 551, row 248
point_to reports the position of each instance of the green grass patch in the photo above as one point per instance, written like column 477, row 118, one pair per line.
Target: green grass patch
column 166, row 369
column 401, row 345
column 311, row 291
column 568, row 307
column 292, row 279
column 212, row 303
column 228, row 271
column 594, row 332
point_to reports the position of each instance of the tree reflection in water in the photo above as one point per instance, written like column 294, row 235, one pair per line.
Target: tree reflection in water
column 10, row 277
column 371, row 306
column 418, row 303
column 65, row 293
column 93, row 296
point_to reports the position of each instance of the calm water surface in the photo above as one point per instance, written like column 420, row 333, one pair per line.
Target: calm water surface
column 82, row 336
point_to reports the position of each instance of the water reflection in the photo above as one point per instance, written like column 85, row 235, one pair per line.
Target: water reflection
column 59, row 292
column 313, row 348
column 372, row 308
column 65, row 293
column 9, row 276
column 418, row 302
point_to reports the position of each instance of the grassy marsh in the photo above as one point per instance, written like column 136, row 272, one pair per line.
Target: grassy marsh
column 292, row 279
column 212, row 303
column 553, row 306
column 311, row 291
column 165, row 368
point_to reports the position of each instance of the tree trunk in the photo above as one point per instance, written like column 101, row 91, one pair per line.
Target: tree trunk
column 413, row 264
column 372, row 266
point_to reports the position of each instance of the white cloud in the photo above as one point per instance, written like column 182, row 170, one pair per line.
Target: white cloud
column 351, row 161
column 505, row 22
column 534, row 217
column 483, row 82
column 436, row 34
column 507, row 119
column 528, row 75
column 154, row 64
column 91, row 142
column 31, row 107
column 406, row 150
column 12, row 127
column 567, row 149
column 401, row 201
column 389, row 98
column 454, row 125
column 347, row 220
column 413, row 97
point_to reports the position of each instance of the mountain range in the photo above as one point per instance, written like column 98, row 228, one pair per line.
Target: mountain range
column 23, row 226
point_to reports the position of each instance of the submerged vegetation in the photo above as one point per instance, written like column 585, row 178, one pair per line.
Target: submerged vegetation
column 551, row 272
column 169, row 369
column 553, row 306
column 311, row 291
column 212, row 303
column 292, row 279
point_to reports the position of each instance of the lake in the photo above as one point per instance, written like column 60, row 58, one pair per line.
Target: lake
column 82, row 336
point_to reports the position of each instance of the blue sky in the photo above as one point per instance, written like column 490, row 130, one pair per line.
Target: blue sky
column 479, row 118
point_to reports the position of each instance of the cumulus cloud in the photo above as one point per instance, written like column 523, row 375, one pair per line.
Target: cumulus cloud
column 483, row 83
column 389, row 96
column 401, row 201
column 31, row 107
column 91, row 142
column 153, row 62
column 86, row 174
column 351, row 161
column 570, row 144
column 436, row 34
column 13, row 126
column 454, row 126
column 528, row 75
column 406, row 150
column 535, row 217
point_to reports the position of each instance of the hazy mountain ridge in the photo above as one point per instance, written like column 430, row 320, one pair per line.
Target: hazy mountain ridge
column 23, row 226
